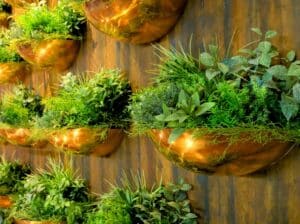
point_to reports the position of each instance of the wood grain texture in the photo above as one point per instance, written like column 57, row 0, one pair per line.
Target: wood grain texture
column 270, row 197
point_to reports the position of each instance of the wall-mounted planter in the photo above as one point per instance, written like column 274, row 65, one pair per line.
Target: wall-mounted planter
column 135, row 21
column 85, row 140
column 21, row 221
column 11, row 72
column 22, row 137
column 5, row 201
column 52, row 54
column 204, row 154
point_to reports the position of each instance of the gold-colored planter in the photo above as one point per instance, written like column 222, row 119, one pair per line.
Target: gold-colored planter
column 211, row 155
column 21, row 221
column 5, row 201
column 86, row 140
column 54, row 54
column 11, row 72
column 22, row 137
column 135, row 21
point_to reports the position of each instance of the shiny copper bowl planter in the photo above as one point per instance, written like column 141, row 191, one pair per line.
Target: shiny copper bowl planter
column 21, row 221
column 53, row 54
column 211, row 155
column 11, row 72
column 5, row 201
column 135, row 21
column 86, row 140
column 22, row 137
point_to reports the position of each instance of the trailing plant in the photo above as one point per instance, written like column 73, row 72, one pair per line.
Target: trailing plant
column 8, row 52
column 21, row 107
column 100, row 101
column 54, row 195
column 134, row 203
column 255, row 89
column 39, row 22
column 11, row 176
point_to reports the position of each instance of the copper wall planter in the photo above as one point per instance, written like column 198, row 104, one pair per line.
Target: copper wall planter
column 53, row 54
column 22, row 137
column 205, row 155
column 11, row 72
column 21, row 221
column 85, row 140
column 135, row 21
column 5, row 201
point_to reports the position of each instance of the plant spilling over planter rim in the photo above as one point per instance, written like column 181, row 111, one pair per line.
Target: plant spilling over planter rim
column 136, row 21
column 251, row 97
column 87, row 114
column 134, row 203
column 50, row 37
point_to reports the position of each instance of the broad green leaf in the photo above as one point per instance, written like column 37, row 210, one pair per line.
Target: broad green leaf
column 265, row 60
column 296, row 92
column 223, row 68
column 179, row 115
column 211, row 73
column 175, row 134
column 278, row 71
column 257, row 31
column 196, row 99
column 291, row 55
column 190, row 216
column 294, row 70
column 264, row 46
column 254, row 61
column 289, row 106
column 182, row 99
column 213, row 49
column 207, row 59
column 205, row 107
column 166, row 109
column 270, row 34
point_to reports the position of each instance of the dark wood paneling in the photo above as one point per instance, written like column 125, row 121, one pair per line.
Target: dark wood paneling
column 270, row 197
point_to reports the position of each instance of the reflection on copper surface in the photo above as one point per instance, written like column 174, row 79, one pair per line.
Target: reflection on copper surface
column 20, row 221
column 5, row 201
column 85, row 140
column 53, row 54
column 22, row 137
column 221, row 157
column 136, row 21
column 12, row 72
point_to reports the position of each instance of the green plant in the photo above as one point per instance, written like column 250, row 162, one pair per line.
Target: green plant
column 55, row 195
column 134, row 203
column 7, row 52
column 40, row 22
column 98, row 101
column 11, row 175
column 20, row 107
column 255, row 89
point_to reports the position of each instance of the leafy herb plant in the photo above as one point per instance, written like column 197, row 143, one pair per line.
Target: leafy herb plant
column 99, row 101
column 40, row 22
column 255, row 91
column 11, row 176
column 20, row 107
column 8, row 52
column 55, row 195
column 134, row 203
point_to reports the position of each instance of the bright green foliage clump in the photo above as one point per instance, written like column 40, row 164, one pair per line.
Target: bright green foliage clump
column 253, row 89
column 7, row 52
column 62, row 22
column 56, row 195
column 134, row 203
column 99, row 101
column 20, row 107
column 11, row 175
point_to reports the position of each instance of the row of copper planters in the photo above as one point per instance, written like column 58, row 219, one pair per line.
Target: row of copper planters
column 57, row 55
column 79, row 140
column 219, row 156
column 135, row 21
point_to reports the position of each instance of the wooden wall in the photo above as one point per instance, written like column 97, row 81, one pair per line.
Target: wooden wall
column 269, row 197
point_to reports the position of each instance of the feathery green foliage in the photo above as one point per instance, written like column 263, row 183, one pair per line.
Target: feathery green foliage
column 99, row 101
column 20, row 107
column 56, row 195
column 7, row 52
column 11, row 175
column 255, row 88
